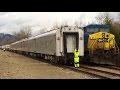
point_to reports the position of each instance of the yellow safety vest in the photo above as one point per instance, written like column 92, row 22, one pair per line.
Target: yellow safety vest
column 76, row 54
column 76, row 57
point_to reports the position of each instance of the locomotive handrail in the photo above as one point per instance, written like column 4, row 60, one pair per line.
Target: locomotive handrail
column 116, row 48
column 93, row 45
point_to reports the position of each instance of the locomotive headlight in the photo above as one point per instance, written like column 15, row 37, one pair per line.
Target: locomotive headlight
column 99, row 40
column 111, row 38
column 92, row 37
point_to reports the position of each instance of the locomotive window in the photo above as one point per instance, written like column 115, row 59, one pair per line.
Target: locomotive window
column 101, row 30
column 96, row 29
column 107, row 30
column 85, row 30
column 90, row 30
column 104, row 30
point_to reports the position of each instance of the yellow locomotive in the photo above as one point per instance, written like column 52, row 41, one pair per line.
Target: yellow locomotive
column 101, row 48
column 101, row 40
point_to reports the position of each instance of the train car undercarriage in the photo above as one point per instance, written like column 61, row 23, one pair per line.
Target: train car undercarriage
column 99, row 56
column 105, row 57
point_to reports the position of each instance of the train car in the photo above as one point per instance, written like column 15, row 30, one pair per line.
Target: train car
column 4, row 47
column 17, row 46
column 7, row 47
column 56, row 45
column 101, row 47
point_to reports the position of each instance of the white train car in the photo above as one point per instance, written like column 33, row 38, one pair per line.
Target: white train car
column 7, row 47
column 4, row 47
column 17, row 46
column 57, row 45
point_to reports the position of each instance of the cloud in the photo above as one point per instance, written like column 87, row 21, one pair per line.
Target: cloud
column 3, row 13
column 13, row 21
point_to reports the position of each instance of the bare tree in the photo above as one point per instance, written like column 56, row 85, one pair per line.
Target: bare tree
column 28, row 31
column 78, row 23
column 100, row 18
column 25, row 32
column 55, row 26
column 43, row 30
column 104, row 18
column 64, row 23
column 118, row 17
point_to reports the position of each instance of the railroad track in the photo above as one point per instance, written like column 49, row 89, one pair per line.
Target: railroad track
column 96, row 73
column 79, row 70
column 87, row 70
column 107, row 74
column 107, row 66
column 113, row 67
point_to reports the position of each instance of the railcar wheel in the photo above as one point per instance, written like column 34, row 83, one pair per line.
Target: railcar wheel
column 60, row 61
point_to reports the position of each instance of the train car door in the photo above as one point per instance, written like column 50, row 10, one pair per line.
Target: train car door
column 70, row 42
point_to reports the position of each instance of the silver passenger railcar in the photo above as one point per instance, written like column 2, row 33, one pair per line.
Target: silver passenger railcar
column 56, row 45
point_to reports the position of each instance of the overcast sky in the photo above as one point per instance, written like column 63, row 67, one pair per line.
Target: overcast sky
column 13, row 21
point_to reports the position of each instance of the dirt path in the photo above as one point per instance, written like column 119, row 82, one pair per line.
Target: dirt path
column 15, row 66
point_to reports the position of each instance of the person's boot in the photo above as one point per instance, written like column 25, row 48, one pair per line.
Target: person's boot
column 78, row 65
column 75, row 65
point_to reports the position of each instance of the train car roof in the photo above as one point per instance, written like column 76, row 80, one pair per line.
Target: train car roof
column 51, row 32
column 44, row 34
column 41, row 35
